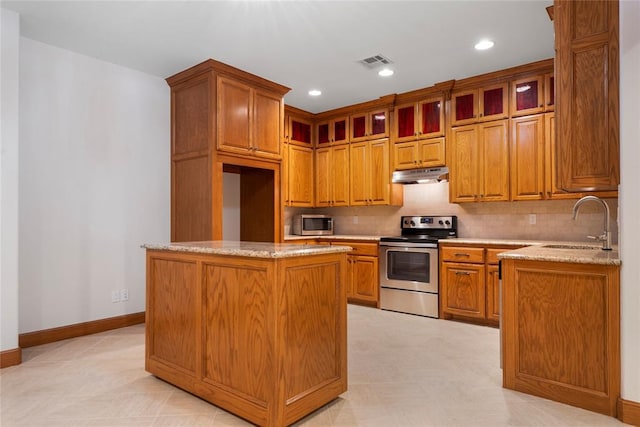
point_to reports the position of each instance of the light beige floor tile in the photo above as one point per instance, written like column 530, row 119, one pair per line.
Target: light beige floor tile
column 404, row 370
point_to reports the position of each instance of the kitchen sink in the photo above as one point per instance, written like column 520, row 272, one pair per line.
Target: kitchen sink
column 574, row 247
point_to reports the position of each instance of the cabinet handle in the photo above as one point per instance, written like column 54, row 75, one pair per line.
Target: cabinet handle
column 462, row 273
column 541, row 105
column 462, row 254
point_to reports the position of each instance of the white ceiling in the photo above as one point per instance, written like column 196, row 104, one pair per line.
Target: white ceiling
column 301, row 44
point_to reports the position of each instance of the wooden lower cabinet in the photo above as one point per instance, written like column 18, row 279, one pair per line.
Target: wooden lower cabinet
column 363, row 284
column 363, row 275
column 264, row 338
column 469, row 283
column 561, row 332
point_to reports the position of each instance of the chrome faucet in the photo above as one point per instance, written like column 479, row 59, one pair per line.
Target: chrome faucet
column 606, row 237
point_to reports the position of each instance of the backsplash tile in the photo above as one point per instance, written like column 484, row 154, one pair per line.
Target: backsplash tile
column 500, row 220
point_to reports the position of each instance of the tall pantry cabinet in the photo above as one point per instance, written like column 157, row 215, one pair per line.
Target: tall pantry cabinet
column 225, row 120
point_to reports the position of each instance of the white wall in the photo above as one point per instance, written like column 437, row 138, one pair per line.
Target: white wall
column 94, row 183
column 630, row 196
column 10, row 38
column 230, row 206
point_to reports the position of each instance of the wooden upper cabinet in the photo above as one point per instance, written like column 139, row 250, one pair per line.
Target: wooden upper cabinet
column 334, row 131
column 298, row 130
column 332, row 176
column 249, row 119
column 419, row 120
column 587, row 95
column 369, row 173
column 479, row 162
column 298, row 172
column 527, row 96
column 419, row 154
column 528, row 158
column 373, row 124
column 478, row 105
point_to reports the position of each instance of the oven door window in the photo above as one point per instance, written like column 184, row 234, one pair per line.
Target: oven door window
column 411, row 266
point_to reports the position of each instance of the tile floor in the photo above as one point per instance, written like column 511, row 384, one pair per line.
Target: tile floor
column 403, row 371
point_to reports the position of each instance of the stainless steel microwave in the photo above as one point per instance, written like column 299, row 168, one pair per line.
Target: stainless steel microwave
column 312, row 225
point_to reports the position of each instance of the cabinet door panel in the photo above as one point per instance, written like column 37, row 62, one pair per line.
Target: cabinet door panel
column 379, row 172
column 323, row 176
column 266, row 119
column 431, row 118
column 405, row 155
column 527, row 96
column 464, row 170
column 405, row 117
column 432, row 152
column 495, row 163
column 234, row 104
column 464, row 107
column 340, row 130
column 493, row 102
column 465, row 290
column 364, row 278
column 527, row 158
column 301, row 176
column 358, row 174
column 340, row 175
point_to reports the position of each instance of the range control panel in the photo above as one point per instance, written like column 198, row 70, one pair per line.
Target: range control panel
column 428, row 222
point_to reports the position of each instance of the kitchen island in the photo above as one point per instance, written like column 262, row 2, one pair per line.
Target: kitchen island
column 561, row 324
column 258, row 329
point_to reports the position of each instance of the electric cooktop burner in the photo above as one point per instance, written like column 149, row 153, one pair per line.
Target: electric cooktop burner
column 425, row 229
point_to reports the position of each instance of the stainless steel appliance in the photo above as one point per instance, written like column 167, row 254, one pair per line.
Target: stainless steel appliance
column 409, row 264
column 312, row 225
column 420, row 176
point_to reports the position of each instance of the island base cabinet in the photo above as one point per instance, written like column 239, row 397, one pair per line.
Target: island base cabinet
column 561, row 332
column 264, row 339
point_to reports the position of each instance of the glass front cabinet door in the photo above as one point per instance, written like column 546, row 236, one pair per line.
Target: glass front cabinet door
column 527, row 96
column 424, row 119
column 370, row 125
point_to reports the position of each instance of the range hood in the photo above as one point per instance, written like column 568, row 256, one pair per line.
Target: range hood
column 420, row 176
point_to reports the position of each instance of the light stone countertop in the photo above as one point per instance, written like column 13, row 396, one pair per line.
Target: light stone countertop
column 293, row 237
column 577, row 253
column 248, row 249
column 538, row 250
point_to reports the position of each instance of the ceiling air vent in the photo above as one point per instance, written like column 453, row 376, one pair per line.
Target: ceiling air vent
column 375, row 61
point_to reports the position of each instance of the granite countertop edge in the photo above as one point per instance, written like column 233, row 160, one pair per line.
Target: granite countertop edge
column 536, row 250
column 293, row 237
column 248, row 249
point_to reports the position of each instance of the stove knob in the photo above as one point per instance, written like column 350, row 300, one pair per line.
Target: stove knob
column 413, row 224
column 447, row 222
column 440, row 222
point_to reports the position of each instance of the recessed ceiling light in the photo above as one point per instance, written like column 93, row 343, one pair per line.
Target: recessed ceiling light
column 385, row 72
column 315, row 92
column 484, row 44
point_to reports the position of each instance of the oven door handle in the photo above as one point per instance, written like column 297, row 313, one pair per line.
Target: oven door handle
column 408, row 245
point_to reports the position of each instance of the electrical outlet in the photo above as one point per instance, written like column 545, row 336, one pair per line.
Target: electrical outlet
column 355, row 219
column 532, row 219
column 115, row 296
column 124, row 295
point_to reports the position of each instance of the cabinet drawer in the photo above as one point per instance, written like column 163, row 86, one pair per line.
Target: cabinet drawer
column 462, row 254
column 370, row 249
column 492, row 253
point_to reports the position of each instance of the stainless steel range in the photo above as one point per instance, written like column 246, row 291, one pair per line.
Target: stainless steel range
column 409, row 264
